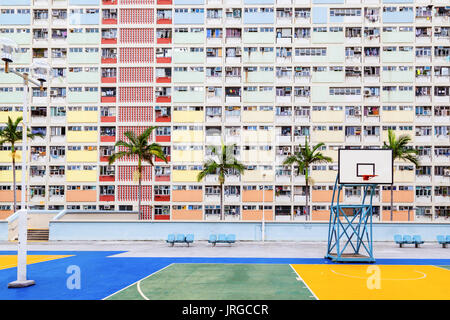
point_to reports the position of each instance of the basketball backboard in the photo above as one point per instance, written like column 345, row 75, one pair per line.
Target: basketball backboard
column 365, row 166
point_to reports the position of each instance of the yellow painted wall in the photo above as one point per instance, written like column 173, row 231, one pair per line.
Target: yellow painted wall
column 257, row 116
column 7, row 176
column 328, row 136
column 323, row 175
column 397, row 116
column 333, row 154
column 257, row 136
column 257, row 156
column 256, row 176
column 187, row 136
column 188, row 116
column 82, row 136
column 81, row 175
column 82, row 116
column 5, row 156
column 82, row 156
column 404, row 175
column 13, row 114
column 328, row 116
column 185, row 175
column 187, row 156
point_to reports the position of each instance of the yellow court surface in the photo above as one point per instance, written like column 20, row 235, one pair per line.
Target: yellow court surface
column 375, row 282
column 10, row 261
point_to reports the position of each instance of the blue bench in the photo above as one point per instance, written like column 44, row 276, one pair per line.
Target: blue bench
column 444, row 241
column 180, row 238
column 407, row 239
column 222, row 238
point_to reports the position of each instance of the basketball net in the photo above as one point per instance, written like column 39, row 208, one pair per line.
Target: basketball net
column 367, row 177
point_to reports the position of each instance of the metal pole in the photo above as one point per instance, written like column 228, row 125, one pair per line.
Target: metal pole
column 263, row 219
column 23, row 222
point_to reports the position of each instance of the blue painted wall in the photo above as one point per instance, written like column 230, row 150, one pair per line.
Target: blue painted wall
column 259, row 17
column 120, row 230
column 84, row 18
column 398, row 17
column 15, row 19
column 319, row 14
column 188, row 18
column 15, row 2
column 4, row 230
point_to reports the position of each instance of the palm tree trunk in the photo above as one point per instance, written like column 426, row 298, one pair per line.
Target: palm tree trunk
column 14, row 181
column 307, row 194
column 139, row 190
column 222, row 215
column 392, row 201
column 139, row 199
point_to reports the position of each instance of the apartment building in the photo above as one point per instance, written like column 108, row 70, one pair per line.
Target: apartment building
column 263, row 74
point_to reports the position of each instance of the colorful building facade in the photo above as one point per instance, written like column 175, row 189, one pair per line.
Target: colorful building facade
column 263, row 74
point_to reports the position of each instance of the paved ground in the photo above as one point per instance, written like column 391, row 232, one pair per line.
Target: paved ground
column 382, row 250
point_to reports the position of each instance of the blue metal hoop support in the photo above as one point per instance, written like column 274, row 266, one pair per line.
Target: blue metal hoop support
column 350, row 227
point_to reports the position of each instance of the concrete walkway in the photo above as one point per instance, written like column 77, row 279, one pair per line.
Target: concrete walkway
column 382, row 250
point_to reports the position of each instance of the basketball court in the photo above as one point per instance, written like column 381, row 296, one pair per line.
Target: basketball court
column 112, row 275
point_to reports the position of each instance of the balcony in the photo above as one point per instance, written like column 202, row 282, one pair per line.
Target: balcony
column 108, row 95
column 107, row 134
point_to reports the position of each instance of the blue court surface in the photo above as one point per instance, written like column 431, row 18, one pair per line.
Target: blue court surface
column 102, row 275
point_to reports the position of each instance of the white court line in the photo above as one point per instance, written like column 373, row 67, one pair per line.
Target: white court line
column 304, row 282
column 365, row 278
column 137, row 282
column 439, row 267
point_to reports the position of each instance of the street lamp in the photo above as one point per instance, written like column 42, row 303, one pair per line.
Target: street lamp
column 42, row 71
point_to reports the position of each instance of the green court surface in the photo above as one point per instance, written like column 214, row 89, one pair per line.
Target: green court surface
column 219, row 282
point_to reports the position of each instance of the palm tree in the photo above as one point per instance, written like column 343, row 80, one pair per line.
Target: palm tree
column 226, row 161
column 400, row 151
column 10, row 134
column 303, row 158
column 140, row 147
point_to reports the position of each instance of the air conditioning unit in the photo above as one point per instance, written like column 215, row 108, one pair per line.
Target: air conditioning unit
column 238, row 52
column 366, row 92
column 357, row 112
column 446, row 172
column 356, row 69
column 53, row 93
column 427, row 211
column 228, row 69
column 437, row 29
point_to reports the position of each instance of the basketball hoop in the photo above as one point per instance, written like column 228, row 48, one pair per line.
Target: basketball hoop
column 367, row 177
